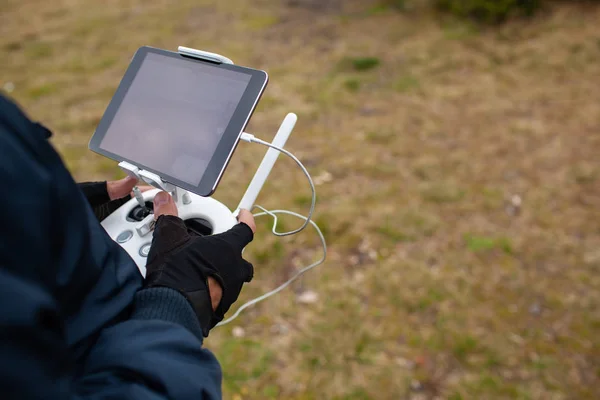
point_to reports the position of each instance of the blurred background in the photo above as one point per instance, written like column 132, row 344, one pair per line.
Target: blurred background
column 455, row 147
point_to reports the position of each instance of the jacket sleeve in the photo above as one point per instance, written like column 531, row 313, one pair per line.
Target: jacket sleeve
column 158, row 352
column 155, row 354
column 74, row 323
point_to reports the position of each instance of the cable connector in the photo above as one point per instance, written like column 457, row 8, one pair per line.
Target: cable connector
column 247, row 137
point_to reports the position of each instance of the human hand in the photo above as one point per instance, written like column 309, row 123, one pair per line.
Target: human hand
column 123, row 187
column 246, row 217
column 164, row 205
column 208, row 270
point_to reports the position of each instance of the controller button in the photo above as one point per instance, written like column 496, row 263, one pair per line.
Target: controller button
column 145, row 250
column 124, row 236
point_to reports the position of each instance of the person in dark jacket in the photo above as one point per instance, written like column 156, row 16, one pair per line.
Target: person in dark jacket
column 77, row 320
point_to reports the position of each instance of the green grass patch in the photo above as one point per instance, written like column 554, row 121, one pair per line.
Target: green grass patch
column 37, row 50
column 459, row 30
column 433, row 296
column 492, row 360
column 406, row 83
column 408, row 225
column 427, row 169
column 420, row 222
column 104, row 62
column 269, row 253
column 380, row 171
column 90, row 26
column 265, row 223
column 441, row 192
column 491, row 386
column 488, row 383
column 260, row 22
column 361, row 64
column 363, row 348
column 464, row 347
column 543, row 363
column 489, row 11
column 271, row 392
column 492, row 198
column 477, row 243
column 383, row 136
column 585, row 173
column 378, row 9
column 394, row 233
column 356, row 394
column 455, row 396
column 303, row 200
column 324, row 223
column 12, row 46
column 42, row 90
column 106, row 167
column 385, row 6
column 267, row 101
column 236, row 373
column 352, row 84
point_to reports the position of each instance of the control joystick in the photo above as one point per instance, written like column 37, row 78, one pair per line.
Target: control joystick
column 138, row 213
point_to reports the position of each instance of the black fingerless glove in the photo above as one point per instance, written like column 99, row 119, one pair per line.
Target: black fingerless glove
column 183, row 261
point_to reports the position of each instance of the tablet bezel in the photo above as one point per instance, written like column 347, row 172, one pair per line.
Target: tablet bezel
column 229, row 140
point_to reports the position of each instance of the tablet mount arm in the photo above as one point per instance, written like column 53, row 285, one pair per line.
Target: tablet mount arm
column 149, row 177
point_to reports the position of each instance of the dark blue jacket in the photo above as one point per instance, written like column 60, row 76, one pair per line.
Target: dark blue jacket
column 74, row 321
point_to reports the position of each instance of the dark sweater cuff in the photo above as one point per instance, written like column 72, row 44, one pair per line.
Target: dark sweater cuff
column 95, row 192
column 165, row 304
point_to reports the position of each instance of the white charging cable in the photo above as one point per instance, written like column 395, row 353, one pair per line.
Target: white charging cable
column 251, row 139
column 273, row 213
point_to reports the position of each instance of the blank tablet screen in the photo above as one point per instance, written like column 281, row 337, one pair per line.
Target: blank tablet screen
column 174, row 115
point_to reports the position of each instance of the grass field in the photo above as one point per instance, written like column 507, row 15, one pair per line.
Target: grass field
column 459, row 185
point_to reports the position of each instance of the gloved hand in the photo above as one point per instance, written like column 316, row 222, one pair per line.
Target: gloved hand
column 184, row 262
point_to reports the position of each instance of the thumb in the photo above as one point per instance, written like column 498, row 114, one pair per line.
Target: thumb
column 164, row 205
column 126, row 185
column 120, row 188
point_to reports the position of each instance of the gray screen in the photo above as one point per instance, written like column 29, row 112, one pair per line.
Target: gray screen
column 173, row 116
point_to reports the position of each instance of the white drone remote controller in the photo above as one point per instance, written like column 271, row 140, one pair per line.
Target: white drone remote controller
column 131, row 226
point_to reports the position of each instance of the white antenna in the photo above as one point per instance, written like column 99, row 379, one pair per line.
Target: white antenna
column 264, row 169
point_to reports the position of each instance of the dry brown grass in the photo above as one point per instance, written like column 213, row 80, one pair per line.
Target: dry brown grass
column 434, row 288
